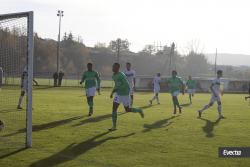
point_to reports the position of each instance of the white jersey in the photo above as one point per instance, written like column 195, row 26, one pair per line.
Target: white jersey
column 216, row 85
column 130, row 75
column 157, row 82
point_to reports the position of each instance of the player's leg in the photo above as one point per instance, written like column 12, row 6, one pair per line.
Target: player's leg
column 116, row 103
column 213, row 99
column 21, row 99
column 90, row 93
column 189, row 93
column 91, row 104
column 131, row 100
column 153, row 97
column 177, row 102
column 114, row 116
column 219, row 107
column 125, row 102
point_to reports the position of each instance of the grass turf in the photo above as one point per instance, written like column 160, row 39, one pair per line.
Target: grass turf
column 63, row 134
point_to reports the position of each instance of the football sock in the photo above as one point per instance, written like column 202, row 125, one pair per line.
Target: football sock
column 131, row 102
column 153, row 98
column 190, row 98
column 114, row 118
column 157, row 98
column 175, row 104
column 91, row 103
column 135, row 110
column 204, row 108
column 178, row 104
column 219, row 110
column 20, row 100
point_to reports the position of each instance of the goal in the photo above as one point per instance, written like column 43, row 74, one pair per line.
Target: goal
column 16, row 53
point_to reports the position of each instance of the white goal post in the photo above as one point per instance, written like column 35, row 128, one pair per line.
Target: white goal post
column 16, row 40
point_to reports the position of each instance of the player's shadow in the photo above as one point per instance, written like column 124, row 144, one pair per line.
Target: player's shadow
column 209, row 127
column 158, row 124
column 184, row 105
column 148, row 106
column 50, row 125
column 74, row 150
column 96, row 119
column 12, row 153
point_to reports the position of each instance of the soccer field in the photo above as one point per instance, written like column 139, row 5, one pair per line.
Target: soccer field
column 63, row 134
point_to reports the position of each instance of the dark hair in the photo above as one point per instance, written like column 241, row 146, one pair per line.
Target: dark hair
column 128, row 63
column 219, row 72
column 175, row 71
column 118, row 64
column 158, row 73
column 89, row 64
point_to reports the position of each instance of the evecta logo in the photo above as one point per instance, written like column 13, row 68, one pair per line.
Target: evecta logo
column 235, row 152
column 92, row 78
column 174, row 84
column 118, row 83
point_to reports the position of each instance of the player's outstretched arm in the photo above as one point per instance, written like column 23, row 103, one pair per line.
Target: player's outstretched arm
column 83, row 78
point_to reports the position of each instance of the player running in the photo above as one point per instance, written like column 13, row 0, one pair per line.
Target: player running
column 130, row 74
column 174, row 82
column 90, row 85
column 157, row 87
column 191, row 85
column 215, row 88
column 122, row 90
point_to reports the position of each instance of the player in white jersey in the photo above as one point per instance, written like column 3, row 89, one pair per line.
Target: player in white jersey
column 130, row 74
column 100, row 84
column 215, row 88
column 157, row 87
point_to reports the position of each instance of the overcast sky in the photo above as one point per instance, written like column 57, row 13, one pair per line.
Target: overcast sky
column 221, row 24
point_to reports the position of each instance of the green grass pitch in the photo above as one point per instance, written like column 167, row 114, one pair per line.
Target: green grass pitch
column 63, row 134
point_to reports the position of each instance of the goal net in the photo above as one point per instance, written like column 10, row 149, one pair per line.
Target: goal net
column 16, row 75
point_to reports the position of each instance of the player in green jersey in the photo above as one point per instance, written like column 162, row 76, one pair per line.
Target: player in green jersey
column 122, row 90
column 191, row 85
column 174, row 82
column 89, row 77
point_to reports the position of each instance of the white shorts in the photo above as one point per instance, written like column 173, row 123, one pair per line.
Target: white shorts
column 124, row 99
column 90, row 91
column 191, row 91
column 156, row 90
column 131, row 90
column 214, row 99
column 175, row 94
column 25, row 87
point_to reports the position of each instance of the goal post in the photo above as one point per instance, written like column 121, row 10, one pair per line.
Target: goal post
column 16, row 54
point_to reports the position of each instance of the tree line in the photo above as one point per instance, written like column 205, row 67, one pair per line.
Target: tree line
column 74, row 56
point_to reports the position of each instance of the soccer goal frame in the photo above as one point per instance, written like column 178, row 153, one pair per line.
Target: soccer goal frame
column 30, row 51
